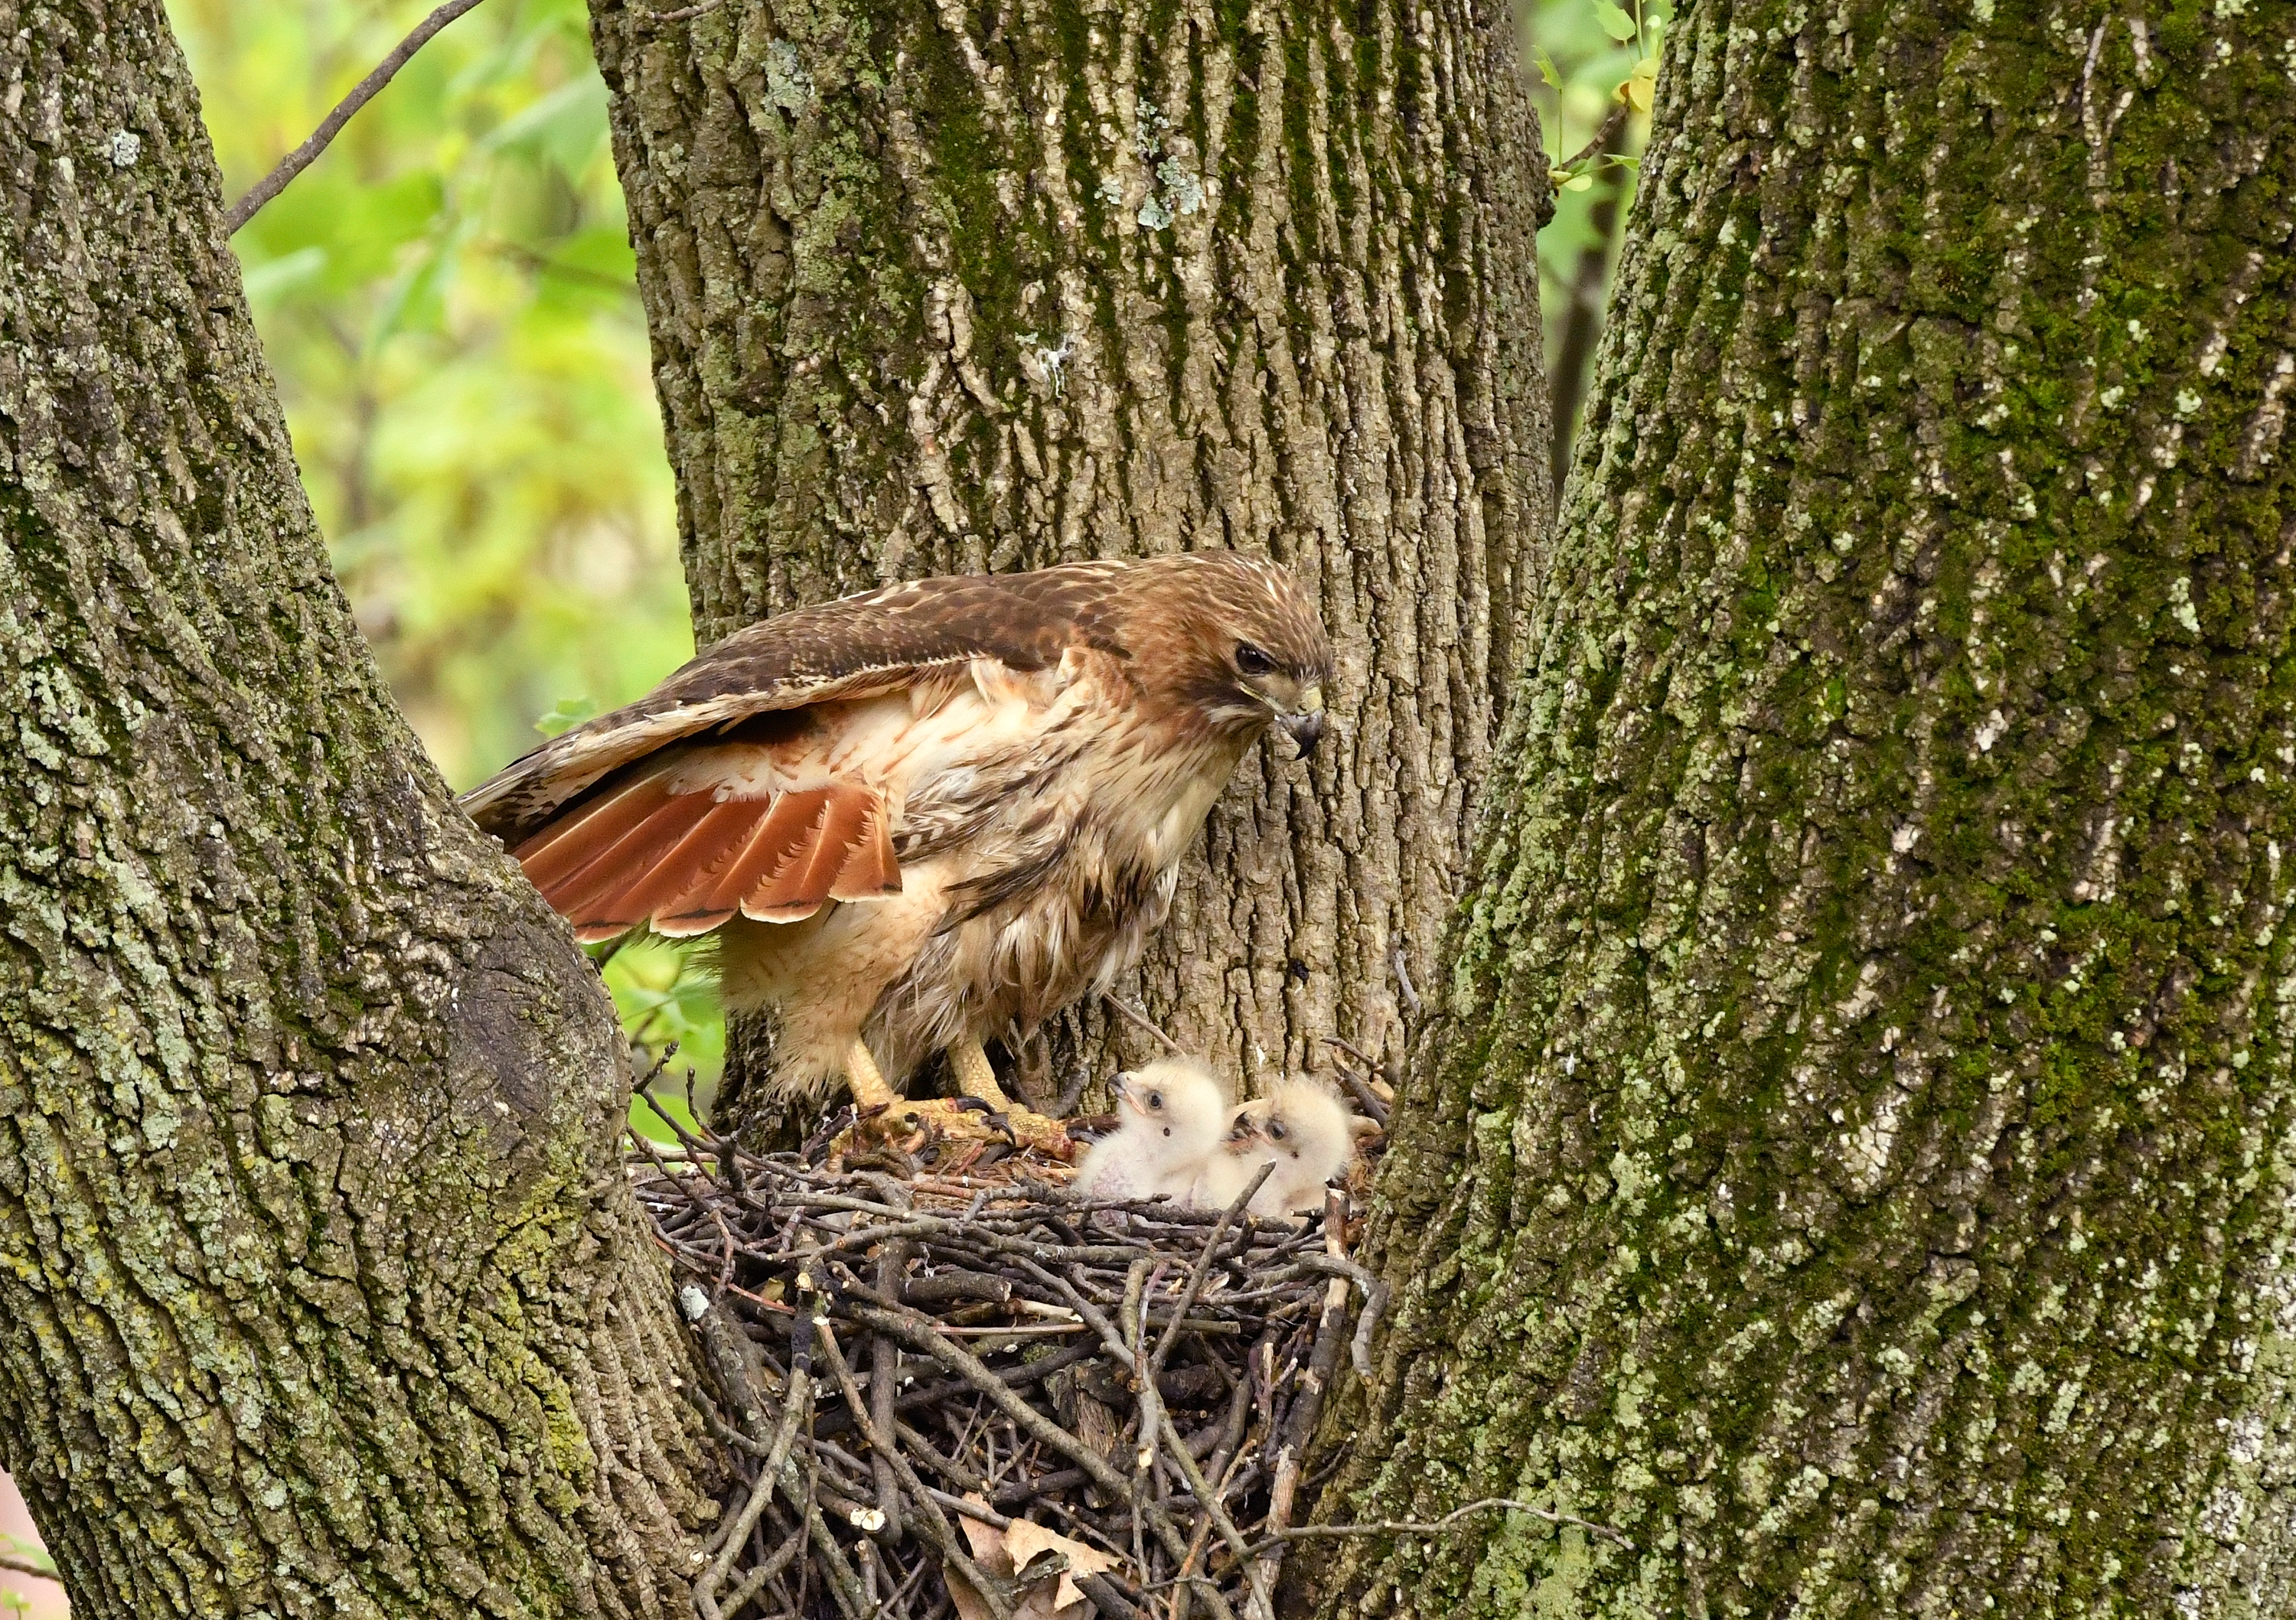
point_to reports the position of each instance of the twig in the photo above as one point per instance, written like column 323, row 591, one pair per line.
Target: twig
column 1298, row 1533
column 1142, row 1019
column 1203, row 1267
column 1606, row 135
column 797, row 1403
column 295, row 162
column 37, row 1566
column 1208, row 1501
column 884, row 1367
column 1299, row 1423
column 1369, row 1101
column 935, row 1523
column 1402, row 982
column 1376, row 1296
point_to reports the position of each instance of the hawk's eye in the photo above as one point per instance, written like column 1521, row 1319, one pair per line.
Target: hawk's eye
column 1277, row 1131
column 1155, row 1100
column 1252, row 661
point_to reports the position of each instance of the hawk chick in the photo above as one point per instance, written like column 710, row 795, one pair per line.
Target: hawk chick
column 1173, row 1115
column 1300, row 1128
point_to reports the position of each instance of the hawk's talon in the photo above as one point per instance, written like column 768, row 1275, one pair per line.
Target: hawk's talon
column 953, row 1123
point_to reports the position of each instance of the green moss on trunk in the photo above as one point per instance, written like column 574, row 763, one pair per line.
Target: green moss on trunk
column 1853, row 1159
column 320, row 1291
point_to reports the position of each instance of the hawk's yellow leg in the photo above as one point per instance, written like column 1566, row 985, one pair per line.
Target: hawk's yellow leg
column 866, row 1079
column 976, row 1078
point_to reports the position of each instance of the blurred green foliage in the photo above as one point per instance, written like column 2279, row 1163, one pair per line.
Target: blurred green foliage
column 448, row 299
column 1586, row 56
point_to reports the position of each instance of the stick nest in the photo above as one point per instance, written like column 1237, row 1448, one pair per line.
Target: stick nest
column 979, row 1394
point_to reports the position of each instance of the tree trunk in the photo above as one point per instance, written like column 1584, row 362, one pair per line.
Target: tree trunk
column 320, row 1288
column 1853, row 1160
column 936, row 289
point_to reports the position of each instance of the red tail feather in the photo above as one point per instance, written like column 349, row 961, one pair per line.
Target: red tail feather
column 685, row 863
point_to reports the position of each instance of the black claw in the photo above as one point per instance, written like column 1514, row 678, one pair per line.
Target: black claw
column 977, row 1105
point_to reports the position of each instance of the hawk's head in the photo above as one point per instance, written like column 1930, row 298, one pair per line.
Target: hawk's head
column 1230, row 641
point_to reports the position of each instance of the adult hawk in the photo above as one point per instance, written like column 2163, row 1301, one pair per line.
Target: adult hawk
column 917, row 817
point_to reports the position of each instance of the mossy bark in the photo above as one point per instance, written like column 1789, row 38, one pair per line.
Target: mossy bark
column 1853, row 1159
column 936, row 287
column 319, row 1289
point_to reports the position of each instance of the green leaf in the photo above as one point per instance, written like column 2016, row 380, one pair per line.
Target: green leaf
column 1641, row 85
column 32, row 1553
column 1546, row 64
column 566, row 715
column 1615, row 21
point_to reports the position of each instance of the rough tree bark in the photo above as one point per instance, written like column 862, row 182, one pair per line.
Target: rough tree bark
column 936, row 287
column 1854, row 1159
column 319, row 1289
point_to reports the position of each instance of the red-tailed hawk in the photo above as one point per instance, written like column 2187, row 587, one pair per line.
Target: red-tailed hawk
column 922, row 816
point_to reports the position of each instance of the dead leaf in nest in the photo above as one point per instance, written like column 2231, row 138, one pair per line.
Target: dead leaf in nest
column 1027, row 1541
column 1009, row 1554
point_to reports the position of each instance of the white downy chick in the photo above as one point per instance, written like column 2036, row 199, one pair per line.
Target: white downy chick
column 1172, row 1116
column 1300, row 1127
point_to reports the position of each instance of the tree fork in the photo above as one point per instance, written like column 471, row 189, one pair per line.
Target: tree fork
column 939, row 288
column 1854, row 1157
column 321, row 1288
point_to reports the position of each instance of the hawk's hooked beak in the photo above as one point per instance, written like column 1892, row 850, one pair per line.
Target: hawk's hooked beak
column 1306, row 722
column 1126, row 1097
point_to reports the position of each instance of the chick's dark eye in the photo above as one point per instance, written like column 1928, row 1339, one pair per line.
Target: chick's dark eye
column 1155, row 1100
column 1278, row 1132
column 1252, row 661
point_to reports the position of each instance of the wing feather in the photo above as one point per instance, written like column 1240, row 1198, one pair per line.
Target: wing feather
column 685, row 863
column 564, row 847
column 869, row 870
column 790, row 819
column 614, row 861
column 883, row 641
column 671, row 865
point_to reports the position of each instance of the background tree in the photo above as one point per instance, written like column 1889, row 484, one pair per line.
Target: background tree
column 319, row 1289
column 935, row 290
column 1852, row 1157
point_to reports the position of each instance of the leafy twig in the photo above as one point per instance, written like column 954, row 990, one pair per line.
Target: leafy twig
column 37, row 1565
column 295, row 162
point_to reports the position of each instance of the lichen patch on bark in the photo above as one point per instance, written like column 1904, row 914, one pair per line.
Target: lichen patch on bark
column 320, row 1291
column 1853, row 1160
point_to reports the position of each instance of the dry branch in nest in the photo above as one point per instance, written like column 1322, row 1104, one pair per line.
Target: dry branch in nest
column 979, row 1395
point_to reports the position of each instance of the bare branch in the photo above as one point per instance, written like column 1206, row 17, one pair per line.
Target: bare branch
column 295, row 162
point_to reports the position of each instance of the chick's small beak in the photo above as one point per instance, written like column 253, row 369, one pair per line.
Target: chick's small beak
column 1127, row 1097
column 1306, row 722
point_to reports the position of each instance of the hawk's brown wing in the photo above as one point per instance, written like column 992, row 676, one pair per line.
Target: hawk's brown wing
column 883, row 641
column 607, row 841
